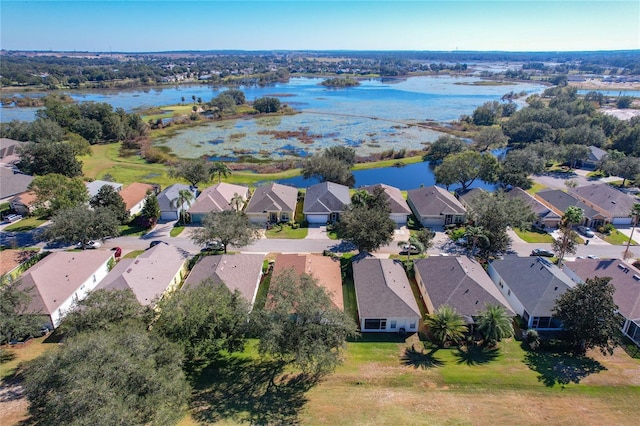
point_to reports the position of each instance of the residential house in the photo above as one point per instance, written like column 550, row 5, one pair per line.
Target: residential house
column 595, row 156
column 272, row 203
column 241, row 272
column 135, row 194
column 24, row 204
column 559, row 201
column 384, row 296
column 61, row 279
column 94, row 187
column 625, row 279
column 435, row 206
column 459, row 282
column 545, row 217
column 13, row 182
column 324, row 202
column 168, row 199
column 615, row 205
column 325, row 269
column 531, row 285
column 399, row 209
column 217, row 198
column 157, row 271
column 467, row 197
column 9, row 151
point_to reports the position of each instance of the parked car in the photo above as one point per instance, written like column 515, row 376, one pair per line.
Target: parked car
column 90, row 244
column 155, row 243
column 542, row 252
column 586, row 231
column 117, row 250
column 13, row 218
column 410, row 249
column 213, row 246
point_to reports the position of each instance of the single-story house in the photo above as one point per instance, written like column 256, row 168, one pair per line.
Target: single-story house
column 272, row 203
column 61, row 279
column 24, row 204
column 13, row 182
column 324, row 202
column 240, row 272
column 399, row 209
column 135, row 194
column 217, row 198
column 94, row 187
column 614, row 204
column 157, row 271
column 595, row 156
column 545, row 216
column 559, row 201
column 625, row 279
column 459, row 282
column 9, row 151
column 167, row 200
column 325, row 269
column 435, row 206
column 531, row 285
column 384, row 296
column 467, row 197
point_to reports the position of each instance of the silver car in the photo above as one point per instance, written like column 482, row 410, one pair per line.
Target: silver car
column 586, row 231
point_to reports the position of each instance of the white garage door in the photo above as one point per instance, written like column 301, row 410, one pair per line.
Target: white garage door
column 432, row 222
column 400, row 219
column 317, row 218
column 169, row 215
column 622, row 221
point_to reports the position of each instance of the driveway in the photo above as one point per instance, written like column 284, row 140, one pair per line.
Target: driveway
column 317, row 232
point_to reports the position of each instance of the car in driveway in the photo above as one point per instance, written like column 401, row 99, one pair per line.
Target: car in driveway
column 411, row 249
column 586, row 231
column 90, row 244
column 213, row 246
column 542, row 253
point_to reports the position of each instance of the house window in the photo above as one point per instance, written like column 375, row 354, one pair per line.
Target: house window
column 393, row 324
column 375, row 324
column 412, row 325
column 284, row 217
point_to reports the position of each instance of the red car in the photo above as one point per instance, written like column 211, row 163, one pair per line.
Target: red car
column 118, row 251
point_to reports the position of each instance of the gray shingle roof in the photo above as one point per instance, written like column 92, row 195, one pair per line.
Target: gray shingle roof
column 627, row 287
column 460, row 283
column 12, row 182
column 218, row 197
column 605, row 197
column 382, row 289
column 170, row 193
column 326, row 197
column 433, row 201
column 96, row 185
column 538, row 208
column 237, row 271
column 273, row 197
column 394, row 197
column 534, row 281
column 562, row 201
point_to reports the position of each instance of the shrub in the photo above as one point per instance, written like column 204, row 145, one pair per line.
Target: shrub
column 533, row 339
column 607, row 229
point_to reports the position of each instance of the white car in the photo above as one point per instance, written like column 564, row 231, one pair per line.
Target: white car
column 90, row 244
column 586, row 231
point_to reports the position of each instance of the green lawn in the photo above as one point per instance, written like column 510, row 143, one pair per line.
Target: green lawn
column 617, row 238
column 132, row 230
column 133, row 254
column 286, row 231
column 536, row 187
column 176, row 230
column 26, row 224
column 4, row 208
column 533, row 236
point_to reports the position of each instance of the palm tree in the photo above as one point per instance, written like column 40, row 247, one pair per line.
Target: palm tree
column 635, row 214
column 360, row 197
column 413, row 241
column 445, row 324
column 475, row 234
column 572, row 216
column 236, row 201
column 184, row 197
column 494, row 324
column 221, row 169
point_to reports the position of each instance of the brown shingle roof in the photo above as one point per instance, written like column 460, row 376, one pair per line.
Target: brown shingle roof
column 273, row 197
column 56, row 277
column 240, row 272
column 394, row 197
column 218, row 197
column 323, row 268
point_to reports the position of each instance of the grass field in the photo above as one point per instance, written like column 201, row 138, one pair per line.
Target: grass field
column 26, row 224
column 286, row 231
column 617, row 238
column 536, row 187
column 533, row 236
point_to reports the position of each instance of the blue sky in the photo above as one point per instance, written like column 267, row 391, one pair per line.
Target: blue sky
column 130, row 26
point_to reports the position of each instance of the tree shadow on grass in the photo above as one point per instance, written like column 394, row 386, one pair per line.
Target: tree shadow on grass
column 247, row 390
column 476, row 355
column 561, row 367
column 419, row 359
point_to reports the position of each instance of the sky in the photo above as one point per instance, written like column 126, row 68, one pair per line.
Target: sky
column 149, row 26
